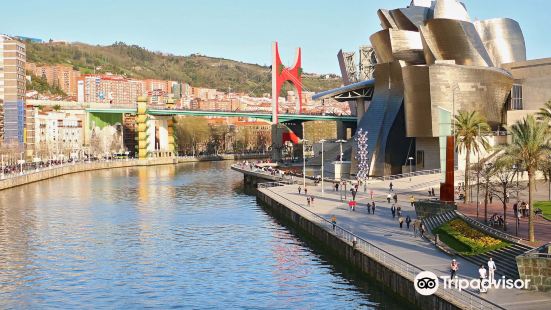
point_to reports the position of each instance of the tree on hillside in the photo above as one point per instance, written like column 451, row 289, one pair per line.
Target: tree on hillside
column 470, row 136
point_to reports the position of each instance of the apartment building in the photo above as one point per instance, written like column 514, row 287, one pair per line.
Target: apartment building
column 12, row 90
column 58, row 131
column 62, row 76
column 113, row 89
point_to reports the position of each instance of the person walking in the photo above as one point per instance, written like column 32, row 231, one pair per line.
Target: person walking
column 388, row 197
column 393, row 210
column 336, row 187
column 334, row 222
column 395, row 196
column 373, row 207
column 308, row 200
column 415, row 224
column 390, row 186
column 491, row 270
column 422, row 229
column 401, row 221
column 399, row 211
column 515, row 208
column 408, row 221
column 305, row 191
column 299, row 190
column 368, row 208
column 353, row 192
column 482, row 274
column 433, row 192
column 412, row 200
column 371, row 194
column 312, row 199
column 454, row 267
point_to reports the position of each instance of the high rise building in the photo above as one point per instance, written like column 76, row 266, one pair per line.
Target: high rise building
column 114, row 89
column 12, row 90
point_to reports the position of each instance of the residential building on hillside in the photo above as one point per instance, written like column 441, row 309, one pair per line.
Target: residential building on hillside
column 62, row 76
column 114, row 89
column 12, row 90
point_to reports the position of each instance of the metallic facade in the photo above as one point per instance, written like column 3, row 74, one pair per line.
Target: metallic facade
column 432, row 62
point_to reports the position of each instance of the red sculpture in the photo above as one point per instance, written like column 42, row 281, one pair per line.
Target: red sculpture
column 446, row 188
column 280, row 74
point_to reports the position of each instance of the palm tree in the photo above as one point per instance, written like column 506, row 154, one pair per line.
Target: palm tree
column 530, row 148
column 545, row 112
column 470, row 135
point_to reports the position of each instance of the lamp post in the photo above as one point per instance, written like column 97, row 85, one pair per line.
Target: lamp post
column 410, row 162
column 322, row 141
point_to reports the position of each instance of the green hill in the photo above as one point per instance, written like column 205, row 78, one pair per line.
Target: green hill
column 137, row 62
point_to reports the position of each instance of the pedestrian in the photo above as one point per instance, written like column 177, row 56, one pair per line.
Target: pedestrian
column 390, row 186
column 422, row 229
column 305, row 191
column 354, row 242
column 336, row 187
column 334, row 222
column 415, row 224
column 312, row 199
column 350, row 205
column 353, row 192
column 308, row 200
column 482, row 274
column 401, row 221
column 368, row 208
column 388, row 197
column 408, row 220
column 433, row 192
column 371, row 193
column 395, row 196
column 454, row 267
column 515, row 208
column 399, row 211
column 299, row 190
column 393, row 210
column 491, row 270
column 412, row 200
column 373, row 207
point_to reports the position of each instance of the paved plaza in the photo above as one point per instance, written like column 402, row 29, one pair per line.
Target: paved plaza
column 383, row 231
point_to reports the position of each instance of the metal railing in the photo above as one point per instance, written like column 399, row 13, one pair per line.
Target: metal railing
column 407, row 175
column 464, row 299
column 538, row 252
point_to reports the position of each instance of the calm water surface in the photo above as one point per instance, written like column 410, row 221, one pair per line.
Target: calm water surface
column 165, row 237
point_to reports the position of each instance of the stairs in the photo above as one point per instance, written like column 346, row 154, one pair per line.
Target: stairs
column 437, row 220
column 504, row 258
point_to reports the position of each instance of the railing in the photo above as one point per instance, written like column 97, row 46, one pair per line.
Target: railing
column 537, row 252
column 463, row 299
column 407, row 175
column 488, row 229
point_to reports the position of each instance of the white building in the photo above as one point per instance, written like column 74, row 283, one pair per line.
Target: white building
column 59, row 131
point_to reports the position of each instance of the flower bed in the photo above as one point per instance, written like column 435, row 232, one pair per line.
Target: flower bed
column 467, row 240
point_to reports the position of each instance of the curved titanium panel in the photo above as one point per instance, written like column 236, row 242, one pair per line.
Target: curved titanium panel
column 410, row 18
column 456, row 40
column 391, row 44
column 386, row 19
column 503, row 40
column 417, row 104
column 450, row 9
column 469, row 88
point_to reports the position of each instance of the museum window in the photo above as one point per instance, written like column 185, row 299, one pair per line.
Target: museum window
column 516, row 97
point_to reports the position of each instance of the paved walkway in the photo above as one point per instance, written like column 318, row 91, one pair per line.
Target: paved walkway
column 383, row 231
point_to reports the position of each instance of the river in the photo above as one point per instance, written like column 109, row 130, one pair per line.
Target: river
column 185, row 236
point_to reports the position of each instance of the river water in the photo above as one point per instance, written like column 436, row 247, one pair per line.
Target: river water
column 166, row 237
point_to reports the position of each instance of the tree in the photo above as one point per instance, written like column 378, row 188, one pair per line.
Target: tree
column 470, row 135
column 544, row 113
column 530, row 149
column 503, row 184
column 485, row 170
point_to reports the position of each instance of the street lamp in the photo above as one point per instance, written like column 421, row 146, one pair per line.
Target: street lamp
column 340, row 142
column 410, row 161
column 322, row 141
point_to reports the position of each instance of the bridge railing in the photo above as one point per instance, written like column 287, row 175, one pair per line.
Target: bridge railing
column 464, row 299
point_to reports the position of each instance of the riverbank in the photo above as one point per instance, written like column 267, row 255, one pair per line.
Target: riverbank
column 56, row 171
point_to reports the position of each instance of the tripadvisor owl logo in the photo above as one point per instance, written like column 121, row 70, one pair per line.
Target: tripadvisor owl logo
column 426, row 283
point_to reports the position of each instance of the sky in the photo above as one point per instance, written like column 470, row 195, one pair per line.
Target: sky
column 244, row 29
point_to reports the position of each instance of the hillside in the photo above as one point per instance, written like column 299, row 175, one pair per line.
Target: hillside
column 137, row 62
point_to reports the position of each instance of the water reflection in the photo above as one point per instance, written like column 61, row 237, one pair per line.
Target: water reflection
column 166, row 236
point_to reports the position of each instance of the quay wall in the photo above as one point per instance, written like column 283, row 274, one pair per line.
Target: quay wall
column 44, row 174
column 344, row 250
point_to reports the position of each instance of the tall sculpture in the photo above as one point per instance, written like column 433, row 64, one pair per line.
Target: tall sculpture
column 432, row 62
column 280, row 74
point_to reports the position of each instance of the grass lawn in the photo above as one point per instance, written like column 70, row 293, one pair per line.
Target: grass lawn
column 466, row 240
column 545, row 206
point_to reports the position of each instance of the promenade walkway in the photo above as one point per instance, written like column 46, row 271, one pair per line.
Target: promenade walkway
column 383, row 231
